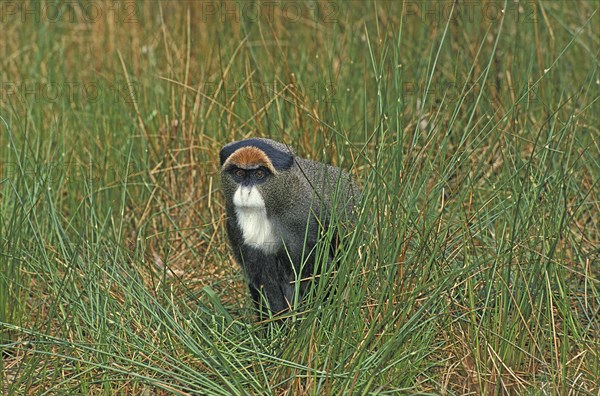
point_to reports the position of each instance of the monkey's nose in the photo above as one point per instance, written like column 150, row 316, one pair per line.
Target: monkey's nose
column 246, row 190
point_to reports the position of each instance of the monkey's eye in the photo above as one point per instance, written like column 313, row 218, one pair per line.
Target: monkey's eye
column 239, row 172
column 259, row 174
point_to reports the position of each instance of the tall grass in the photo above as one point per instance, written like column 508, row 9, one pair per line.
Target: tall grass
column 473, row 266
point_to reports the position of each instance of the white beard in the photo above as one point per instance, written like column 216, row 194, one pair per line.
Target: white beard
column 251, row 214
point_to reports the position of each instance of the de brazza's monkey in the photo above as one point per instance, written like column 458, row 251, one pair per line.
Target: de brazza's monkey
column 277, row 207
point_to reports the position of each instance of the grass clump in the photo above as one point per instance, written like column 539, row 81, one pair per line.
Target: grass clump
column 474, row 263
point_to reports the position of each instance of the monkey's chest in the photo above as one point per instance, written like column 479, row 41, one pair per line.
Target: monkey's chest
column 251, row 215
column 257, row 230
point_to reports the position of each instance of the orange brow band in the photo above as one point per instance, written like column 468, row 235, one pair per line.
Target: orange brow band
column 250, row 155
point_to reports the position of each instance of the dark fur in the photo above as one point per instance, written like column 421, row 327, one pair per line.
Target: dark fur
column 295, row 198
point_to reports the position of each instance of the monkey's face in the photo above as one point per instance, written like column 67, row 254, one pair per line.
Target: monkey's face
column 252, row 172
column 248, row 180
column 255, row 178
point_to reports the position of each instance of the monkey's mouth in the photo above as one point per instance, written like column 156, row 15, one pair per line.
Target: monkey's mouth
column 248, row 197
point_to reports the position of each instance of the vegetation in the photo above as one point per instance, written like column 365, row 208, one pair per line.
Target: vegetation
column 473, row 129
